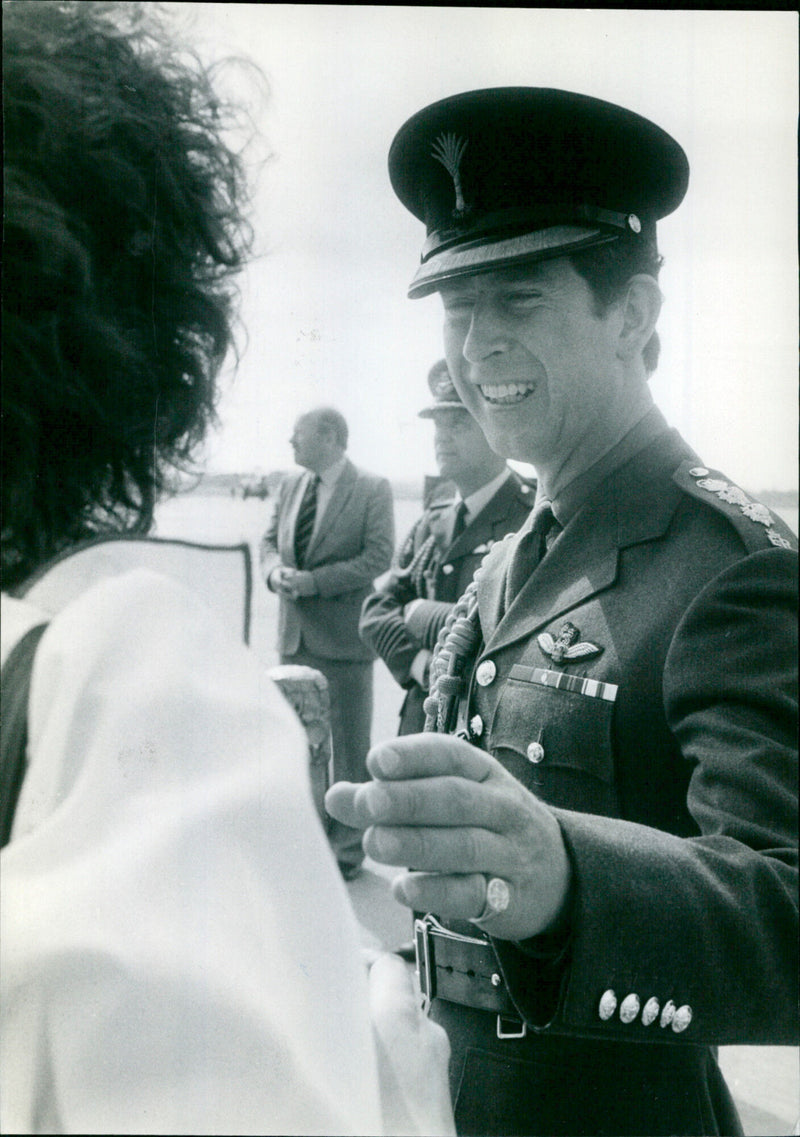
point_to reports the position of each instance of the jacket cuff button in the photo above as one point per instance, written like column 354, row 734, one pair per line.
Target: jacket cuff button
column 650, row 1012
column 682, row 1018
column 629, row 1008
column 608, row 1004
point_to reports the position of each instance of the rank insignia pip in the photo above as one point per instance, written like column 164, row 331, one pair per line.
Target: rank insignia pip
column 731, row 494
column 564, row 649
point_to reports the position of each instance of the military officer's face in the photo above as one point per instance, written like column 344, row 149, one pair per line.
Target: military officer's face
column 460, row 447
column 533, row 363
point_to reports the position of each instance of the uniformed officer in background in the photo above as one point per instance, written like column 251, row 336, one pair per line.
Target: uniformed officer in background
column 609, row 845
column 436, row 562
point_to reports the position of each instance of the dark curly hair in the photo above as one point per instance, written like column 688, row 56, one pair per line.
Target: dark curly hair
column 123, row 227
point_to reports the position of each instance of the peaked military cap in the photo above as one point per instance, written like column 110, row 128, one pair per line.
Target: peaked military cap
column 513, row 174
column 445, row 396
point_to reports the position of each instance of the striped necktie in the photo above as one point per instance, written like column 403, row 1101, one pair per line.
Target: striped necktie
column 304, row 526
column 530, row 550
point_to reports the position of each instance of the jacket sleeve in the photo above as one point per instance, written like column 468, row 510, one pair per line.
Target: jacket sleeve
column 703, row 925
column 382, row 626
column 427, row 620
column 377, row 545
column 268, row 554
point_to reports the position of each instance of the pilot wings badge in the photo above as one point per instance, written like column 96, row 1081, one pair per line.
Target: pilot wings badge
column 564, row 649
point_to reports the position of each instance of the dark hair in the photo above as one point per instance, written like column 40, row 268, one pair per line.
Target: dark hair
column 330, row 421
column 607, row 270
column 123, row 226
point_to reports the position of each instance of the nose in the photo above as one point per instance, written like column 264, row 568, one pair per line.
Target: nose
column 486, row 335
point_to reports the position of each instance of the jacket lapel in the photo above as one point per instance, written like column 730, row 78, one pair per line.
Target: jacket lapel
column 341, row 495
column 490, row 524
column 288, row 523
column 634, row 504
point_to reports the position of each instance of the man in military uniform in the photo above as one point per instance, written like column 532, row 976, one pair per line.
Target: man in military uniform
column 445, row 546
column 609, row 846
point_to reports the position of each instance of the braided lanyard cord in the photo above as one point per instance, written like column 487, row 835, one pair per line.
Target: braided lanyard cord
column 455, row 653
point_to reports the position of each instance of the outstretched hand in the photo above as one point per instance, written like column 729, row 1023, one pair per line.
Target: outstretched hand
column 455, row 814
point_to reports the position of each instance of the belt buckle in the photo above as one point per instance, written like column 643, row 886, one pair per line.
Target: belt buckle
column 425, row 973
column 516, row 1032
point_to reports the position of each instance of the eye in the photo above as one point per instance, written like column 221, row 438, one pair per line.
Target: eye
column 457, row 303
column 522, row 298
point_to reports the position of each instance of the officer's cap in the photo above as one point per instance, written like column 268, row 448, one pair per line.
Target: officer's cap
column 514, row 174
column 445, row 396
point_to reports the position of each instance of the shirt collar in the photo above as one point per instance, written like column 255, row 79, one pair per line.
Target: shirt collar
column 567, row 503
column 331, row 476
column 476, row 501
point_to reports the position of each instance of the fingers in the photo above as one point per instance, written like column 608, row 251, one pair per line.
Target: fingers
column 400, row 794
column 459, row 897
column 340, row 803
column 428, row 756
column 456, row 850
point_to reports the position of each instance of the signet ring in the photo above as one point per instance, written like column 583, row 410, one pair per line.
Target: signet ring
column 498, row 898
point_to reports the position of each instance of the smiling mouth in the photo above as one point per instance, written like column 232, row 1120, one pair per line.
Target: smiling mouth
column 505, row 394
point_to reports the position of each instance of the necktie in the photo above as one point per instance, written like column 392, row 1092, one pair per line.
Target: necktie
column 529, row 551
column 305, row 520
column 460, row 522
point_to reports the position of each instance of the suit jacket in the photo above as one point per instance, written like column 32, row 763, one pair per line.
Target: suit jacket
column 668, row 752
column 432, row 567
column 351, row 546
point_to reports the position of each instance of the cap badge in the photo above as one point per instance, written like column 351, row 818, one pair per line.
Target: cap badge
column 449, row 150
column 564, row 649
column 442, row 387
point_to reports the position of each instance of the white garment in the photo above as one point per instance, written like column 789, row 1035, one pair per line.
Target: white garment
column 177, row 952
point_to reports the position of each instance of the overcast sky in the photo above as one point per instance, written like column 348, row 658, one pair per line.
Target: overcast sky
column 325, row 301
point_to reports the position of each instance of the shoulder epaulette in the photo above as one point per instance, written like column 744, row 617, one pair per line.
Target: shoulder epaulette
column 757, row 525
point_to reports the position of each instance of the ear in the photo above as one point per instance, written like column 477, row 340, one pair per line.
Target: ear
column 640, row 310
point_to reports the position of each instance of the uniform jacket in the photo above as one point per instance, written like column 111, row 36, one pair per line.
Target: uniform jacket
column 433, row 568
column 670, row 759
column 351, row 546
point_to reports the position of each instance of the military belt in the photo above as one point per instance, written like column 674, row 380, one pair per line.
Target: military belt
column 463, row 970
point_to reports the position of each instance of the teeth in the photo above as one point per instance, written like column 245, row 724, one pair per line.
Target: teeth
column 505, row 392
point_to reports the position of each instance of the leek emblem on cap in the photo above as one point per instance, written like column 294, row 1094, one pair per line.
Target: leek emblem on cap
column 449, row 150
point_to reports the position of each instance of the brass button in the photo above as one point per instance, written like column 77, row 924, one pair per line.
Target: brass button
column 447, row 569
column 682, row 1018
column 698, row 471
column 486, row 673
column 650, row 1012
column 608, row 1004
column 668, row 1013
column 535, row 752
column 629, row 1008
column 476, row 725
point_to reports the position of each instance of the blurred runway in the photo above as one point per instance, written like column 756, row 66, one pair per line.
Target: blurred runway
column 765, row 1081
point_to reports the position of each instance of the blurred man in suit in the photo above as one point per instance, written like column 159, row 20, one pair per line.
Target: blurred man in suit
column 331, row 534
column 402, row 620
